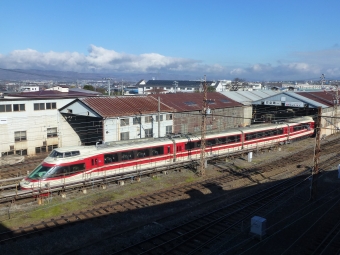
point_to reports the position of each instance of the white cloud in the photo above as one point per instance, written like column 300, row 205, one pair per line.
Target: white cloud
column 306, row 65
column 98, row 59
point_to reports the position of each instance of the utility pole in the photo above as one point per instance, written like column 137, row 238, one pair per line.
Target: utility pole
column 203, row 129
column 322, row 80
column 315, row 171
column 109, row 85
column 159, row 117
column 175, row 85
column 336, row 102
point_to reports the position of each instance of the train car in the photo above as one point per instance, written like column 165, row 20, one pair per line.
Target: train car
column 76, row 165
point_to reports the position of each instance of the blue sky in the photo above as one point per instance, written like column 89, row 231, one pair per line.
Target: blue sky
column 223, row 39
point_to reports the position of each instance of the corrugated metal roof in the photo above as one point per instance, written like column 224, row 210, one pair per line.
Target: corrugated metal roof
column 247, row 97
column 124, row 105
column 305, row 98
column 184, row 102
column 322, row 97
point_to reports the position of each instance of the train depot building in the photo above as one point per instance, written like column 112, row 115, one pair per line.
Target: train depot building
column 109, row 119
column 285, row 105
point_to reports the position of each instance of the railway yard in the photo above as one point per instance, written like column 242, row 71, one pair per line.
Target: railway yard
column 177, row 212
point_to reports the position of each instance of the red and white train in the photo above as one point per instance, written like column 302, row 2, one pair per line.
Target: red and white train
column 70, row 165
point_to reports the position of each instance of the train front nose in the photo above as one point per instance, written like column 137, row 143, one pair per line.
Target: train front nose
column 25, row 183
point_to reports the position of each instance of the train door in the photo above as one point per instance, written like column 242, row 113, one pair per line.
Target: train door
column 168, row 153
column 95, row 162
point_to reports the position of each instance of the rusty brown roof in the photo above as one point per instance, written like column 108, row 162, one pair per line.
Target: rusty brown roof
column 323, row 97
column 124, row 105
column 184, row 102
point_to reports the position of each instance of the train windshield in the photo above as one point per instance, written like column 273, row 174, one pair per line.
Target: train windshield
column 40, row 172
column 56, row 154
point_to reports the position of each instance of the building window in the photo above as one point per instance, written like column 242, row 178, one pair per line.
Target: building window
column 168, row 129
column 52, row 147
column 20, row 136
column 21, row 152
column 148, row 132
column 52, row 132
column 40, row 149
column 148, row 119
column 136, row 120
column 124, row 122
column 39, row 106
column 124, row 136
column 51, row 106
column 6, row 108
column 161, row 117
column 169, row 117
column 18, row 107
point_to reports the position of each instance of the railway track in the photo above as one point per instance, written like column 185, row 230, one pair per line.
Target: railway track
column 158, row 198
column 182, row 192
column 198, row 235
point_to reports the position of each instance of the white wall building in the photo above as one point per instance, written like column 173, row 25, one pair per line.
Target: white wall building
column 28, row 127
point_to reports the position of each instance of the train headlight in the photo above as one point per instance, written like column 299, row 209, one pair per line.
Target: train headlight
column 25, row 183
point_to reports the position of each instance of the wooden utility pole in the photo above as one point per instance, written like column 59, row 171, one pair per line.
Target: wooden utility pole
column 203, row 129
column 336, row 102
column 315, row 172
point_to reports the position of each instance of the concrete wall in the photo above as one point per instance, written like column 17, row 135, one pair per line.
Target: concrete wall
column 330, row 125
column 112, row 128
column 34, row 122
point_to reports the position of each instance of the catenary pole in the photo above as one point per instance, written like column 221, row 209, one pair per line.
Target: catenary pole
column 315, row 171
column 203, row 129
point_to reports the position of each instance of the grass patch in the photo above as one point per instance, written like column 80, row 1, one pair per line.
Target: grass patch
column 189, row 179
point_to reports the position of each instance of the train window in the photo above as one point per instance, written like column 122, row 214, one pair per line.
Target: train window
column 109, row 158
column 56, row 154
column 57, row 171
column 76, row 168
column 67, row 154
column 266, row 134
column 259, row 134
column 39, row 172
column 231, row 139
column 156, row 151
column 280, row 131
column 250, row 136
column 189, row 145
column 127, row 155
column 75, row 153
column 211, row 142
column 221, row 140
column 298, row 127
column 142, row 153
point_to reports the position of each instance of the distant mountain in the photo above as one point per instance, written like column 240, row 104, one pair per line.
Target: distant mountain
column 19, row 75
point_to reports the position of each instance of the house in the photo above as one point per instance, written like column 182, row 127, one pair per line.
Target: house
column 30, row 122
